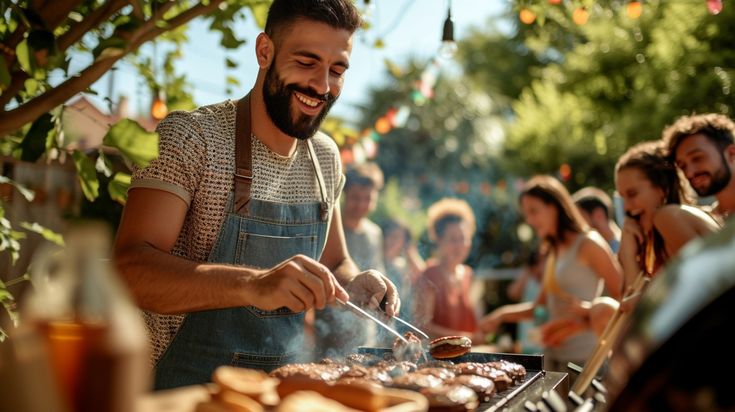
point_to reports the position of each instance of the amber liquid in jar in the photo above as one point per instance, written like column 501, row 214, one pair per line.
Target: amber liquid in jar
column 88, row 372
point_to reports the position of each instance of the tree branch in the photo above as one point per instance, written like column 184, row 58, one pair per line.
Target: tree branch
column 32, row 109
column 54, row 12
column 16, row 85
column 92, row 20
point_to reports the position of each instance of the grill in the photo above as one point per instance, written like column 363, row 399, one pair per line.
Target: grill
column 531, row 388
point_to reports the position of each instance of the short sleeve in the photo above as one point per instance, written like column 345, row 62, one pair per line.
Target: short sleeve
column 181, row 158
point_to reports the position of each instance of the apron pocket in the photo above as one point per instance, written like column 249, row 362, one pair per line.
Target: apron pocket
column 266, row 251
column 263, row 362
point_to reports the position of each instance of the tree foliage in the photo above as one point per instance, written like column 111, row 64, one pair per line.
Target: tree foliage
column 448, row 147
column 40, row 39
column 618, row 83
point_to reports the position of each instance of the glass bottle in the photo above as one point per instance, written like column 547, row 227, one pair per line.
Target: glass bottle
column 94, row 335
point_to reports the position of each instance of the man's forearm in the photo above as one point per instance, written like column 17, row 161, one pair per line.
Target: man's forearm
column 345, row 271
column 168, row 284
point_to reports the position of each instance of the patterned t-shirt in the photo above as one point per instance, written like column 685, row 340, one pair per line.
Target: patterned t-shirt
column 197, row 161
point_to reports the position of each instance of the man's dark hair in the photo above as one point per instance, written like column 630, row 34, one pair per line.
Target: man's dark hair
column 341, row 14
column 591, row 198
column 717, row 128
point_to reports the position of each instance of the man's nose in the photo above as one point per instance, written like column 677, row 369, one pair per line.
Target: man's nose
column 319, row 81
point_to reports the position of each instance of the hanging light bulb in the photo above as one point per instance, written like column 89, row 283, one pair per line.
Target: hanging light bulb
column 159, row 110
column 369, row 7
column 634, row 9
column 714, row 6
column 527, row 16
column 448, row 47
column 580, row 16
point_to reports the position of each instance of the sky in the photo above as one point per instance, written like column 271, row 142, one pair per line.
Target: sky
column 409, row 28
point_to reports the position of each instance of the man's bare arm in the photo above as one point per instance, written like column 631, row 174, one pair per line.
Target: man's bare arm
column 163, row 283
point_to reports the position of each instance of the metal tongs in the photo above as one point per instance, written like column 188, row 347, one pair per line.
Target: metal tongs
column 363, row 312
column 415, row 329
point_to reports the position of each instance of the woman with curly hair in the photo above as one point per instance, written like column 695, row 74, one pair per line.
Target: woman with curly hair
column 443, row 305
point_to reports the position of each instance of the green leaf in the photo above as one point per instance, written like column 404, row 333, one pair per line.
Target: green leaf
column 87, row 175
column 31, row 86
column 24, row 191
column 23, row 53
column 46, row 233
column 103, row 164
column 34, row 143
column 231, row 64
column 229, row 40
column 232, row 80
column 118, row 187
column 4, row 73
column 394, row 69
column 260, row 13
column 135, row 143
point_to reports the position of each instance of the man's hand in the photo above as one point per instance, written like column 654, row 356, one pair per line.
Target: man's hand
column 369, row 287
column 298, row 283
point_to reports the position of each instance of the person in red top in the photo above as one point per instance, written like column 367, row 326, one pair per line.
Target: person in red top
column 443, row 306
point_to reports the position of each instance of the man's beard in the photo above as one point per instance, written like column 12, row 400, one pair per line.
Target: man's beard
column 718, row 181
column 277, row 97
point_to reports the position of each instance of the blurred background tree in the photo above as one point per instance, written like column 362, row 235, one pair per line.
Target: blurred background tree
column 39, row 39
column 593, row 90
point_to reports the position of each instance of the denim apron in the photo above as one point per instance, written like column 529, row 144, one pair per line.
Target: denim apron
column 257, row 234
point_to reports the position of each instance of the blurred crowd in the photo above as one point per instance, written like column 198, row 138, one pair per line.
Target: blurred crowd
column 673, row 190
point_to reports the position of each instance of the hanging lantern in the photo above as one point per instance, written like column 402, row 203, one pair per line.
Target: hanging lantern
column 580, row 16
column 527, row 16
column 382, row 125
column 449, row 46
column 714, row 6
column 634, row 9
column 159, row 110
column 565, row 171
column 346, row 156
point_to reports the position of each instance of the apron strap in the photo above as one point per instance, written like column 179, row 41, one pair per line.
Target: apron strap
column 323, row 205
column 243, row 156
column 244, row 162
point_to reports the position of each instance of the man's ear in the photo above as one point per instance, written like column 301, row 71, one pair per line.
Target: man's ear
column 730, row 154
column 264, row 50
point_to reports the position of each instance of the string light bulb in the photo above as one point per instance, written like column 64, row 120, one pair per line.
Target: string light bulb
column 580, row 16
column 634, row 9
column 714, row 6
column 159, row 110
column 448, row 47
column 527, row 16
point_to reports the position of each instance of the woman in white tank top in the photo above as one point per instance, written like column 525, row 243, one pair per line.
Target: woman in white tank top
column 579, row 266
